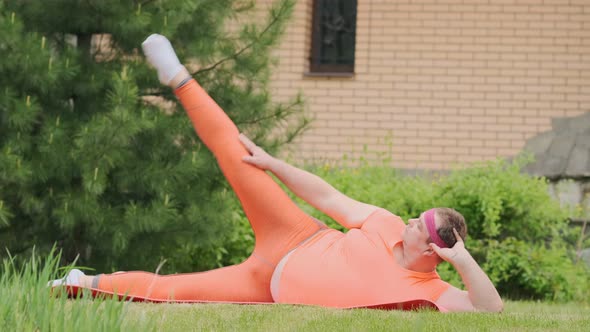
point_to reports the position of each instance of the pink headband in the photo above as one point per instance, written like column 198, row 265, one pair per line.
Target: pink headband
column 431, row 226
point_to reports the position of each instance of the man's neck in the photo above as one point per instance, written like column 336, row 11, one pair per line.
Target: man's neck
column 412, row 261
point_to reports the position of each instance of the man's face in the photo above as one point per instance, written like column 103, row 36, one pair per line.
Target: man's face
column 415, row 235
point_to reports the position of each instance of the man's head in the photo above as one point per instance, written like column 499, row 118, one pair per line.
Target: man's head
column 435, row 225
column 445, row 220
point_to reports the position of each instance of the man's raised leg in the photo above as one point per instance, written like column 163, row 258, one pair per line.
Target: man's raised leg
column 278, row 223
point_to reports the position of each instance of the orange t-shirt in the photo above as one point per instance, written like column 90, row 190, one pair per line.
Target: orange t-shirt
column 355, row 269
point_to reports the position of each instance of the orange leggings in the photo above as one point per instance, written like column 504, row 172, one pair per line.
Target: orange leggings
column 279, row 225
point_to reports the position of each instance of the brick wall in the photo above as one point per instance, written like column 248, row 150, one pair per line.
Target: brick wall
column 440, row 82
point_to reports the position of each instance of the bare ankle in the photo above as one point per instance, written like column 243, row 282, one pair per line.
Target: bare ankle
column 179, row 78
column 86, row 281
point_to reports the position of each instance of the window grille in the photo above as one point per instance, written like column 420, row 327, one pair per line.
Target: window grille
column 333, row 36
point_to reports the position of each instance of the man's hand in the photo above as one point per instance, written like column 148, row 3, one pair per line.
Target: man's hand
column 453, row 255
column 258, row 157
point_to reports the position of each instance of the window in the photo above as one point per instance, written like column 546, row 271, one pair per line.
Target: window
column 333, row 36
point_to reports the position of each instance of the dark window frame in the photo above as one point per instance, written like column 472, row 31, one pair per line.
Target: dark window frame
column 315, row 65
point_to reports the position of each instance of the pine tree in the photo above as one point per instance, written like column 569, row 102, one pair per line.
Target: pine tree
column 96, row 156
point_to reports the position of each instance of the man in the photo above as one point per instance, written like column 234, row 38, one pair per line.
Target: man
column 296, row 258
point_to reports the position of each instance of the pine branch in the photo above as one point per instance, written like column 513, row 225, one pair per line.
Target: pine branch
column 7, row 229
column 273, row 115
column 247, row 47
column 17, row 251
column 295, row 133
column 99, row 154
column 90, row 5
column 156, row 93
column 245, row 7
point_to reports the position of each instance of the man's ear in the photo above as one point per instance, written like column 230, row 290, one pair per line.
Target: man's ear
column 429, row 252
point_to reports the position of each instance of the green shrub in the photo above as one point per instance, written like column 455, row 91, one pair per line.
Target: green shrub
column 522, row 269
column 406, row 196
column 499, row 201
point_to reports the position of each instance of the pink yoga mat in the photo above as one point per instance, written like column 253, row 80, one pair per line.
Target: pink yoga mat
column 75, row 291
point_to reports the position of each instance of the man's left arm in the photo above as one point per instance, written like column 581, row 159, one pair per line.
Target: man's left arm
column 481, row 295
column 311, row 188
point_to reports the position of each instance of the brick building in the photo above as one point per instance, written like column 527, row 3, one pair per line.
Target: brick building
column 438, row 82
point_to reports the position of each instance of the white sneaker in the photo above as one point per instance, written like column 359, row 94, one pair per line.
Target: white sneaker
column 72, row 279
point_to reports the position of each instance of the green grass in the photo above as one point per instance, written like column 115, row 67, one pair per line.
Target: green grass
column 26, row 305
column 518, row 316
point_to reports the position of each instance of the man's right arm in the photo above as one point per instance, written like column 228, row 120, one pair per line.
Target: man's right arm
column 311, row 188
column 481, row 295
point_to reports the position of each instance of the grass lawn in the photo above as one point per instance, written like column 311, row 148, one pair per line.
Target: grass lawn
column 518, row 316
column 26, row 305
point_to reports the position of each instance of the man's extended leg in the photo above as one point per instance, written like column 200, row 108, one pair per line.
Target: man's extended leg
column 245, row 282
